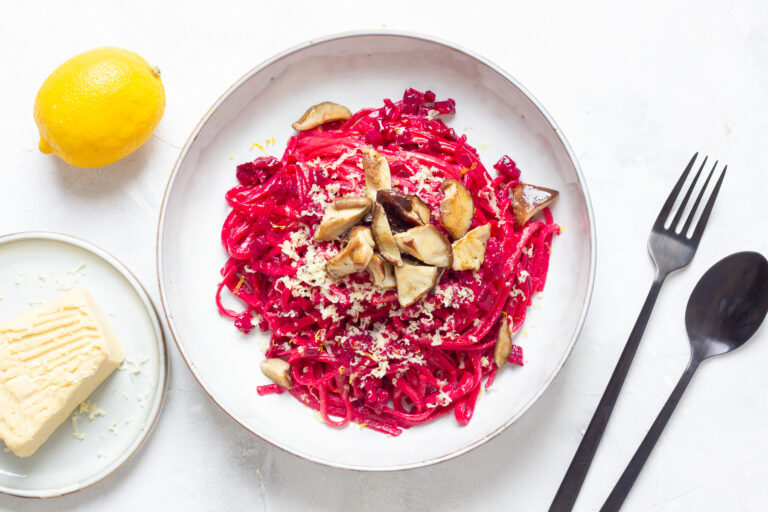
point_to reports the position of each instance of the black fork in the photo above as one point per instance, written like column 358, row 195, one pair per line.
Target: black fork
column 671, row 249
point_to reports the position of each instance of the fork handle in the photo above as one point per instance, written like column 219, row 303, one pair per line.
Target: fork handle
column 627, row 480
column 577, row 471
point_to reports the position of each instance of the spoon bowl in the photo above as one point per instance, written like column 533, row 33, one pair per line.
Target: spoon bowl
column 728, row 304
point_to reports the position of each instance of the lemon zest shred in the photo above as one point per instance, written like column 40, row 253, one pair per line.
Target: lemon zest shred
column 239, row 284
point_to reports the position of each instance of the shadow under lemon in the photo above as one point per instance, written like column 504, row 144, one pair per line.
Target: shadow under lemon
column 109, row 179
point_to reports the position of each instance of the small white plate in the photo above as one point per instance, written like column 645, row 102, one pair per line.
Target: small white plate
column 498, row 115
column 36, row 267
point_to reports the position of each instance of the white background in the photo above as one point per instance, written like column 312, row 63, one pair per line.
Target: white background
column 637, row 87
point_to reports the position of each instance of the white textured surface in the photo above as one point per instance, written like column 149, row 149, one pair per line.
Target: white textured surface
column 636, row 88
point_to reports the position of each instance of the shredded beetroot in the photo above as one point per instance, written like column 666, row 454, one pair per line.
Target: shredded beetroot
column 354, row 353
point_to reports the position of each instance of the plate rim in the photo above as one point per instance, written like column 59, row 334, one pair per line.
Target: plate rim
column 351, row 35
column 138, row 443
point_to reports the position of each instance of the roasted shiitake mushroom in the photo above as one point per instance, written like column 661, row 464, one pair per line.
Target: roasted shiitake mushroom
column 278, row 370
column 414, row 282
column 457, row 209
column 469, row 251
column 320, row 114
column 503, row 344
column 528, row 200
column 355, row 256
column 400, row 209
column 427, row 244
column 382, row 234
column 382, row 273
column 343, row 214
column 377, row 175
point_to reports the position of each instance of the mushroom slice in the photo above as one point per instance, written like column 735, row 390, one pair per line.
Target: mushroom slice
column 319, row 114
column 364, row 233
column 381, row 272
column 469, row 251
column 278, row 370
column 377, row 175
column 426, row 243
column 414, row 282
column 385, row 242
column 349, row 202
column 399, row 209
column 457, row 209
column 530, row 200
column 423, row 212
column 503, row 344
column 344, row 213
column 355, row 257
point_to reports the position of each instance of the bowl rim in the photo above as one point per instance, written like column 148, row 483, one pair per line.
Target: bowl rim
column 165, row 366
column 421, row 38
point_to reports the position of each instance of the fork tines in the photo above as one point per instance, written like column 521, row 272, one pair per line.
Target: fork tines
column 667, row 209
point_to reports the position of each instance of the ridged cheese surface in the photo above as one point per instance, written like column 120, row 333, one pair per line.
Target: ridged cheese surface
column 52, row 357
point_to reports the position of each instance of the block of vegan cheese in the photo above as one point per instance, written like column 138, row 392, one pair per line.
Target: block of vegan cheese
column 52, row 357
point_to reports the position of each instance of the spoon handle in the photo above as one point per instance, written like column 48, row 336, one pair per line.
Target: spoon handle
column 577, row 471
column 627, row 480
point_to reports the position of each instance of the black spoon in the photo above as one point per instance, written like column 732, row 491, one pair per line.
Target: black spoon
column 725, row 309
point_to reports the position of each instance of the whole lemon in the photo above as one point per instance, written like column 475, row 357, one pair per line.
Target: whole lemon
column 99, row 106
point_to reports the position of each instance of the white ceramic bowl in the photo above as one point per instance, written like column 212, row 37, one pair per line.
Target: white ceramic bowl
column 358, row 70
